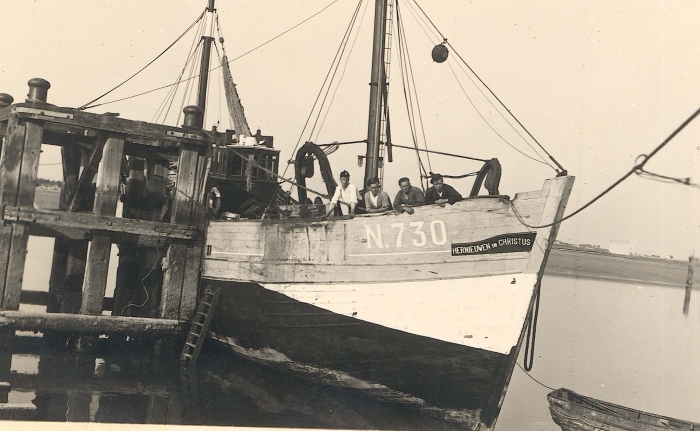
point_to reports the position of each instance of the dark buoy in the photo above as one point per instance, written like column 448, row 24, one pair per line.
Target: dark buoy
column 440, row 53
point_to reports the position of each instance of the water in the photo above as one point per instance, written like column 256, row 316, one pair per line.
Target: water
column 624, row 343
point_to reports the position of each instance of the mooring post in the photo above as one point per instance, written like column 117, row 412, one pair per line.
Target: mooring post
column 688, row 285
column 106, row 197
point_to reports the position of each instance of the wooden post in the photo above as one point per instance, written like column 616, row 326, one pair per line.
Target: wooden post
column 688, row 285
column 184, row 196
column 20, row 167
column 106, row 196
column 58, row 289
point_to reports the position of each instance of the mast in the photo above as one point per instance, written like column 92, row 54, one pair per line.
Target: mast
column 377, row 83
column 204, row 65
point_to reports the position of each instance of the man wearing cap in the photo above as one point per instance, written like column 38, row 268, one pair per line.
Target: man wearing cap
column 346, row 193
column 376, row 200
column 441, row 193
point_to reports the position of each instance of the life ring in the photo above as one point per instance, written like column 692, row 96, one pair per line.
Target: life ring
column 214, row 201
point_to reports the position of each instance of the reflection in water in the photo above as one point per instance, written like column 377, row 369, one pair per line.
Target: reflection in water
column 223, row 389
column 635, row 348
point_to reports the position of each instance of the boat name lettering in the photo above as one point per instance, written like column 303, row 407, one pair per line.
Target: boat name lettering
column 508, row 243
column 438, row 234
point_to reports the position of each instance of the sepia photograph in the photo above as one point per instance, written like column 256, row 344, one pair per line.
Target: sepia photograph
column 350, row 214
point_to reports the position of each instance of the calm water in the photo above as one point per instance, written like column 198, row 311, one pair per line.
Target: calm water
column 624, row 343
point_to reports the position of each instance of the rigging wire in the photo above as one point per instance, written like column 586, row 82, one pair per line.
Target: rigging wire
column 534, row 379
column 488, row 88
column 85, row 106
column 323, row 85
column 489, row 124
column 407, row 93
column 193, row 77
column 344, row 44
column 342, row 75
column 635, row 169
column 419, row 19
column 415, row 90
column 173, row 90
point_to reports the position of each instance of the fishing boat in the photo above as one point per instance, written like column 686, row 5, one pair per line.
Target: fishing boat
column 428, row 308
column 575, row 412
column 427, row 305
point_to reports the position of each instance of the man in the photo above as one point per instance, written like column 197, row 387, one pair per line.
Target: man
column 441, row 193
column 376, row 200
column 408, row 197
column 346, row 193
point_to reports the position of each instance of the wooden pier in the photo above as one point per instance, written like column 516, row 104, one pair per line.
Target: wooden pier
column 160, row 231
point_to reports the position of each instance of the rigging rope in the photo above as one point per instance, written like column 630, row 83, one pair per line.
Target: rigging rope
column 347, row 32
column 196, row 76
column 488, row 88
column 403, row 52
column 85, row 106
column 635, row 169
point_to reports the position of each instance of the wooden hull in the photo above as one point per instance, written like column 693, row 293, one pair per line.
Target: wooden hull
column 428, row 307
column 574, row 412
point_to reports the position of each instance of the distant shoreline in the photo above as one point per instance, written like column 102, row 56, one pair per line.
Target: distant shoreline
column 570, row 261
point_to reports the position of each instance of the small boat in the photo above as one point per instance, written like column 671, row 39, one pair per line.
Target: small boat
column 574, row 412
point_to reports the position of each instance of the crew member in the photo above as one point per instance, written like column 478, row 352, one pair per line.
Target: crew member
column 441, row 193
column 376, row 199
column 346, row 193
column 408, row 197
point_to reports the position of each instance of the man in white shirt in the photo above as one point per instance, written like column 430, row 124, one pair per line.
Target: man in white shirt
column 346, row 193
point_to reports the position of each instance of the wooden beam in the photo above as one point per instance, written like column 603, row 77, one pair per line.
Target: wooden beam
column 93, row 222
column 25, row 321
column 53, row 383
column 130, row 128
column 26, row 190
column 184, row 197
column 106, row 196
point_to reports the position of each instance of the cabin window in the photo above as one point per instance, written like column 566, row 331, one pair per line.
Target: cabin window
column 256, row 162
column 236, row 165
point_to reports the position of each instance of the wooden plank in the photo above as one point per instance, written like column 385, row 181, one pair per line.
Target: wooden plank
column 59, row 383
column 106, row 196
column 5, row 241
column 25, row 321
column 89, row 170
column 172, row 282
column 95, row 281
column 110, row 123
column 93, row 222
column 17, row 412
column 11, row 163
column 182, row 207
column 26, row 191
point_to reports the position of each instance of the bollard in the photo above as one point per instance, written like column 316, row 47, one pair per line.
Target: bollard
column 6, row 100
column 38, row 88
column 194, row 117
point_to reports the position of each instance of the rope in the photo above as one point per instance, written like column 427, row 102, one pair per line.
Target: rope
column 196, row 76
column 342, row 75
column 85, row 106
column 400, row 36
column 635, row 169
column 532, row 328
column 665, row 179
column 534, row 379
column 488, row 88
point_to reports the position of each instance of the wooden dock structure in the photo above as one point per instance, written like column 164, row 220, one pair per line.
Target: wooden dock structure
column 158, row 173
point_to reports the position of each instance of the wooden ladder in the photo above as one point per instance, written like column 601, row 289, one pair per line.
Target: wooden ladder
column 200, row 326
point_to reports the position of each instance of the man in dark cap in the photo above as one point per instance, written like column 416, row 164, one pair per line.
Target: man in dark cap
column 441, row 193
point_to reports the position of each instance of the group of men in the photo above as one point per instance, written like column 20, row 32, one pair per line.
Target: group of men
column 378, row 201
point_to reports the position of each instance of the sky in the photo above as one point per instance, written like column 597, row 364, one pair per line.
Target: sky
column 597, row 83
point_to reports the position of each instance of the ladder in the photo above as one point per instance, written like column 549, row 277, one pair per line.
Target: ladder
column 200, row 326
